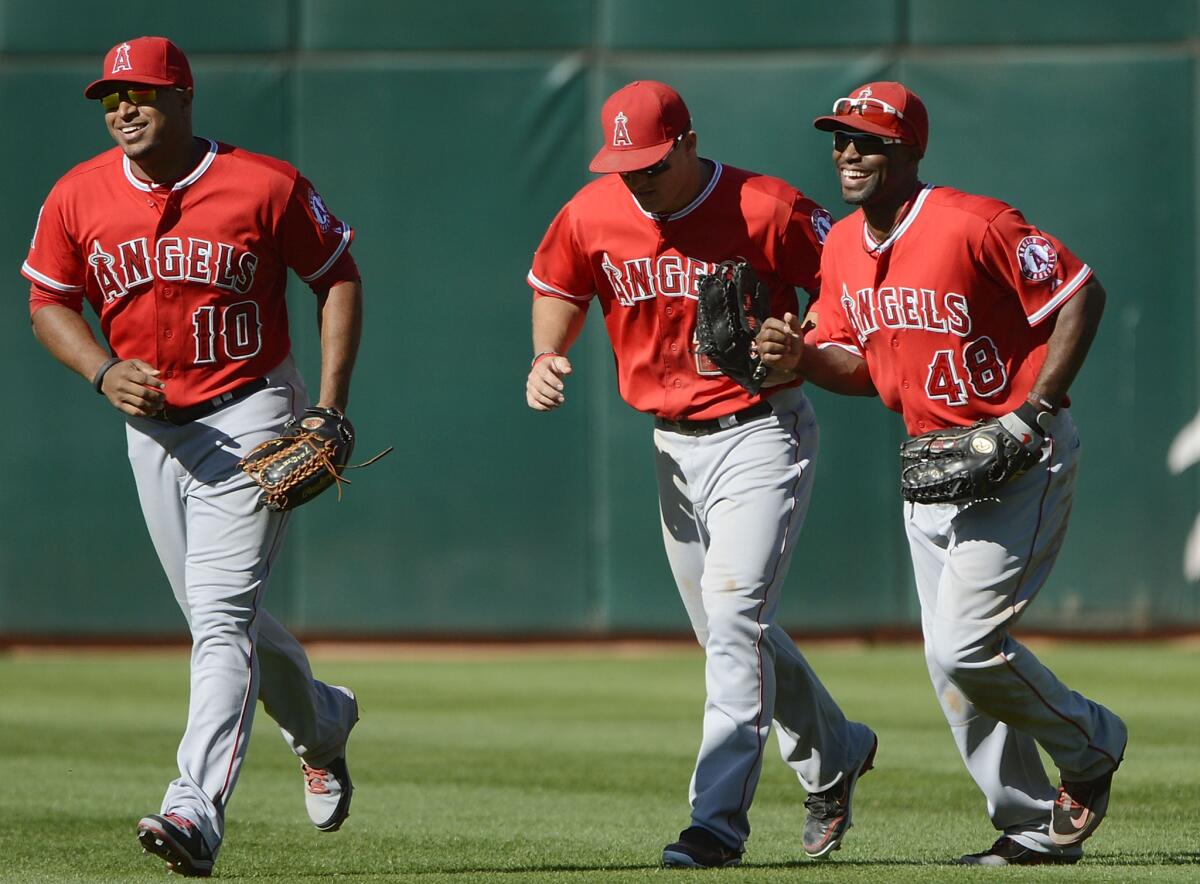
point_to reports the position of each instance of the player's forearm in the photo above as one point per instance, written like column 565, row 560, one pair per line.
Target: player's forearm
column 68, row 337
column 556, row 324
column 1074, row 330
column 836, row 370
column 340, row 319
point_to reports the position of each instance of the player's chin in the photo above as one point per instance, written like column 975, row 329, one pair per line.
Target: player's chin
column 856, row 196
column 650, row 202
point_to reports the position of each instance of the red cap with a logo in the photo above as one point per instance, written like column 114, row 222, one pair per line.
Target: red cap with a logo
column 884, row 108
column 155, row 61
column 641, row 122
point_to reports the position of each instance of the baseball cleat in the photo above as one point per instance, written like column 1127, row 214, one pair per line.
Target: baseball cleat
column 1007, row 852
column 1079, row 809
column 698, row 848
column 829, row 815
column 328, row 789
column 177, row 840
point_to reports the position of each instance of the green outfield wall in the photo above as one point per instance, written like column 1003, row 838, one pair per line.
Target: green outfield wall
column 448, row 134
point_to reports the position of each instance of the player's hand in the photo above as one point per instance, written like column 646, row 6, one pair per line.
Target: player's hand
column 780, row 343
column 544, row 388
column 133, row 387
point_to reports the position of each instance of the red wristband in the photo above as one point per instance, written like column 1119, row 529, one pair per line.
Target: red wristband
column 543, row 355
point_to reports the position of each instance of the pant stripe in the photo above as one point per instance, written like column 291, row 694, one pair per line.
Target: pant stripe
column 1016, row 592
column 248, row 699
column 1059, row 714
column 741, row 808
column 1036, row 528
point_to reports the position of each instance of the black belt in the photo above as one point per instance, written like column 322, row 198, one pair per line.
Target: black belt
column 716, row 424
column 181, row 416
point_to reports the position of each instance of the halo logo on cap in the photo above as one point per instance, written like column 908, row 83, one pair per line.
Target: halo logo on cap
column 621, row 131
column 122, row 62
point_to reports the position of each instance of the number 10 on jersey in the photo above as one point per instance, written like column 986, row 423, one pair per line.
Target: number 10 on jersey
column 237, row 325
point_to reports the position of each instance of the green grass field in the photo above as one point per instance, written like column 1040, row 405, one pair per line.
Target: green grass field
column 561, row 765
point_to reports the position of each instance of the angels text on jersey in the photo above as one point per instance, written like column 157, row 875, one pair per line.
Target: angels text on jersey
column 979, row 366
column 642, row 279
column 131, row 264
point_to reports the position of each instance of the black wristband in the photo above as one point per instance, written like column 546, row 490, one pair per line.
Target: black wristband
column 1037, row 418
column 98, row 377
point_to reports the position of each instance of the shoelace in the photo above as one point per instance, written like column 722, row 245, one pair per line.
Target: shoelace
column 1064, row 801
column 181, row 821
column 827, row 804
column 316, row 779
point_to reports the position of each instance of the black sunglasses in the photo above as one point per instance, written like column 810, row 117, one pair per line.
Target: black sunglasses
column 663, row 164
column 863, row 141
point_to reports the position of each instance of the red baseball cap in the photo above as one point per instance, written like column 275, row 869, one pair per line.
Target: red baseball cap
column 641, row 122
column 155, row 61
column 884, row 108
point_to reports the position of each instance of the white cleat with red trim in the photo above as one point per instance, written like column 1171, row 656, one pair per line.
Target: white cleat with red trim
column 328, row 789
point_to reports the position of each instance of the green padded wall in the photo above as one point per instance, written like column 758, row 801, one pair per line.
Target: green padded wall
column 448, row 135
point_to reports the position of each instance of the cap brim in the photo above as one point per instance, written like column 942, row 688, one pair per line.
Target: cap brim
column 609, row 160
column 99, row 87
column 855, row 123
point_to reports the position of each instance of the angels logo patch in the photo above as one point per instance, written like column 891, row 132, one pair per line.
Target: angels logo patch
column 320, row 213
column 822, row 221
column 1037, row 257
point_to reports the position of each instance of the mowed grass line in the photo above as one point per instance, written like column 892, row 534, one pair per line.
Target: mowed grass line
column 564, row 766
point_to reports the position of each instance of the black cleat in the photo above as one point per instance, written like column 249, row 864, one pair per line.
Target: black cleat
column 1079, row 809
column 177, row 840
column 829, row 814
column 698, row 848
column 1007, row 852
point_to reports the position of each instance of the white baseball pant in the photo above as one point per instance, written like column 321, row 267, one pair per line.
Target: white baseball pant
column 732, row 505
column 977, row 567
column 216, row 544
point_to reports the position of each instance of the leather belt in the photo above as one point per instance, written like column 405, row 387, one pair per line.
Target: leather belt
column 716, row 424
column 181, row 416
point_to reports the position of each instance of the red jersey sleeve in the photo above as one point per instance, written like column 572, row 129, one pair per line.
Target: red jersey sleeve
column 315, row 243
column 560, row 267
column 833, row 324
column 54, row 264
column 1035, row 265
column 803, row 237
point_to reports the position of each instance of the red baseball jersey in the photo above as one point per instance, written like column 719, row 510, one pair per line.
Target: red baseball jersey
column 189, row 277
column 950, row 310
column 644, row 270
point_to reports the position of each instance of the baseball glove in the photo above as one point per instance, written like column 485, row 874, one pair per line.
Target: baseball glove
column 305, row 459
column 961, row 464
column 732, row 306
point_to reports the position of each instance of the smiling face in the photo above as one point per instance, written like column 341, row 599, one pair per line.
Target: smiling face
column 153, row 132
column 872, row 172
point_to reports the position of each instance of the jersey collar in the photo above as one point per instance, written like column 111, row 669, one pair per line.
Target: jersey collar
column 690, row 207
column 200, row 169
column 874, row 248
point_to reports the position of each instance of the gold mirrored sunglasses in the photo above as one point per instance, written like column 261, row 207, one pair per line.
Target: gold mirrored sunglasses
column 112, row 101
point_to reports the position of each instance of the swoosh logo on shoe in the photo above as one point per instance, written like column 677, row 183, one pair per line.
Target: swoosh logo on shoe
column 1081, row 821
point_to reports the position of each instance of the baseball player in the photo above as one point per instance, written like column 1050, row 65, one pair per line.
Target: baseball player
column 734, row 470
column 953, row 309
column 181, row 246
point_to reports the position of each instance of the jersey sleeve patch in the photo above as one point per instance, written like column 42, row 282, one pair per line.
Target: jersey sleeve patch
column 1037, row 258
column 822, row 221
